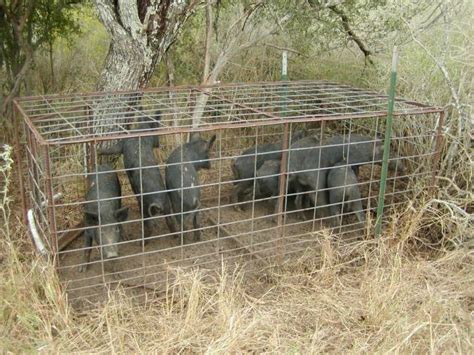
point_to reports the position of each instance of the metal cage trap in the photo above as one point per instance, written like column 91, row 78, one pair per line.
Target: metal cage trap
column 240, row 172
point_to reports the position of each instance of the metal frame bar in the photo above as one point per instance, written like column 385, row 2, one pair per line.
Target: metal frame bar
column 241, row 113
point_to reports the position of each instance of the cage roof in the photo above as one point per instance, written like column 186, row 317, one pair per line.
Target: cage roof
column 73, row 118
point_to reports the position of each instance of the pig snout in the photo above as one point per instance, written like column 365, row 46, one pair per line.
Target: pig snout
column 155, row 209
column 396, row 165
column 111, row 251
column 109, row 243
column 206, row 164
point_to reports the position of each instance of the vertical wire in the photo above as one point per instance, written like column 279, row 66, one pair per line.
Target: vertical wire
column 219, row 192
column 372, row 166
column 395, row 173
column 142, row 210
column 99, row 219
column 254, row 186
column 313, row 227
column 181, row 193
column 348, row 166
column 285, row 195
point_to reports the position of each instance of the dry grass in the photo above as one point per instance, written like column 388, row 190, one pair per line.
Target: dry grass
column 412, row 290
column 392, row 294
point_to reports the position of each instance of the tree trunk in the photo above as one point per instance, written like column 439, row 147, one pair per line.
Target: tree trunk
column 51, row 66
column 141, row 31
column 172, row 95
column 244, row 31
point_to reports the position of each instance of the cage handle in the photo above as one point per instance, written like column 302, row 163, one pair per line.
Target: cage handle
column 37, row 240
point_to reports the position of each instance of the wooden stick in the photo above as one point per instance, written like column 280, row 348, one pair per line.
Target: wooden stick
column 227, row 233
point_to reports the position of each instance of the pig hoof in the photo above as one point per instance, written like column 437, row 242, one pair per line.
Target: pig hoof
column 82, row 268
column 141, row 242
column 238, row 209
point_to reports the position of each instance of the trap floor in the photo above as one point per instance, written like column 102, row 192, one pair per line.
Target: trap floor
column 235, row 237
column 251, row 237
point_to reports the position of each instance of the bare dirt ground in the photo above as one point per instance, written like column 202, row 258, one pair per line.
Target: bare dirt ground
column 251, row 236
column 148, row 268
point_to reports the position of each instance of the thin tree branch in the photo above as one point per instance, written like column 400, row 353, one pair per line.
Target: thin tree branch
column 207, row 53
column 352, row 35
column 239, row 37
column 26, row 47
column 285, row 49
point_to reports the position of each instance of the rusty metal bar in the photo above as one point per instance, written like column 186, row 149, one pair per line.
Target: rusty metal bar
column 282, row 178
column 230, row 125
column 238, row 104
column 29, row 123
column 228, row 234
column 233, row 111
column 16, row 118
column 50, row 202
column 438, row 146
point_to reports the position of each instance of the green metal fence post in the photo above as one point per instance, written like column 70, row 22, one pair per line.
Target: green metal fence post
column 284, row 154
column 387, row 139
column 284, row 66
column 284, row 88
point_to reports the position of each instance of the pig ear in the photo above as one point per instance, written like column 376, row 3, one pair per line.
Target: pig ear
column 297, row 135
column 121, row 214
column 92, row 215
column 157, row 117
column 154, row 209
column 114, row 148
column 195, row 137
column 211, row 142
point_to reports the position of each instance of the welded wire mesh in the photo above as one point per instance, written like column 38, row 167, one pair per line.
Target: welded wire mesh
column 256, row 194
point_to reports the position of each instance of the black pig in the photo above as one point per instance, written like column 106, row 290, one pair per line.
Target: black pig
column 309, row 167
column 344, row 192
column 144, row 175
column 183, row 181
column 104, row 208
column 245, row 166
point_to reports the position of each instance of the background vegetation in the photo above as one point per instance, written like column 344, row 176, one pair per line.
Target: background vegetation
column 409, row 291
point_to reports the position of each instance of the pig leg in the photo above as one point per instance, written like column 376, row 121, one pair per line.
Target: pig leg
column 235, row 197
column 299, row 201
column 181, row 227
column 321, row 204
column 197, row 226
column 86, row 257
column 355, row 169
column 322, row 197
column 336, row 217
column 306, row 201
column 275, row 208
column 171, row 225
column 239, row 190
column 356, row 207
column 335, row 208
column 148, row 225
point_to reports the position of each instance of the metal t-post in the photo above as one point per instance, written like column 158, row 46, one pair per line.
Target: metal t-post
column 387, row 140
column 284, row 153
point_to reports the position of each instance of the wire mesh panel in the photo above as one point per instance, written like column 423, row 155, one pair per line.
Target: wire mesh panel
column 242, row 173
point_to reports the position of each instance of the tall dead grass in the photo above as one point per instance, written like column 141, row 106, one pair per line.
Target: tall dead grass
column 392, row 294
column 412, row 290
